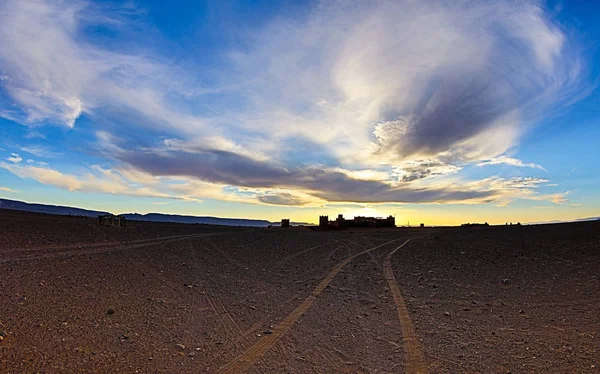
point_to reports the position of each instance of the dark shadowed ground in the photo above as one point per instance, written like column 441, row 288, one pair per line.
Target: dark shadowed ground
column 170, row 298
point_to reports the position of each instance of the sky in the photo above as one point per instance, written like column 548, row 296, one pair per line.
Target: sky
column 435, row 111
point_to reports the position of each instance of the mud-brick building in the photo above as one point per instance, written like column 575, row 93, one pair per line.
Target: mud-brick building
column 324, row 221
column 112, row 220
column 359, row 221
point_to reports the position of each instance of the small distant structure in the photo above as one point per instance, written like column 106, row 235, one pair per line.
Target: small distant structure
column 285, row 222
column 340, row 222
column 475, row 224
column 112, row 220
column 422, row 225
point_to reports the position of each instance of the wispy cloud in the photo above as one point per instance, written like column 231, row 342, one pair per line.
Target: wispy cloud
column 54, row 73
column 14, row 157
column 355, row 101
column 39, row 151
column 510, row 161
column 7, row 189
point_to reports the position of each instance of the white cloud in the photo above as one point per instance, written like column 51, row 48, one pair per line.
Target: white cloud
column 57, row 74
column 7, row 189
column 14, row 157
column 397, row 93
column 409, row 80
column 409, row 171
column 510, row 161
column 39, row 151
column 32, row 134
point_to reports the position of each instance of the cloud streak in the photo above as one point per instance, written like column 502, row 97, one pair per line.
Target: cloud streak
column 505, row 160
column 14, row 158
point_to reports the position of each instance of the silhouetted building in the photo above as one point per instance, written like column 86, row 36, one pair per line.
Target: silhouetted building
column 285, row 222
column 112, row 220
column 359, row 221
column 323, row 221
column 475, row 224
column 422, row 225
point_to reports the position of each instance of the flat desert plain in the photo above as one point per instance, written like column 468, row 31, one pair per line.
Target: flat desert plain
column 76, row 297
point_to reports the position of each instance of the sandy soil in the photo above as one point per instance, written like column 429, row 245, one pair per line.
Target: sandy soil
column 168, row 298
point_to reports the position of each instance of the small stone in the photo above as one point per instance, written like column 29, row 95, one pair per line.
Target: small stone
column 110, row 311
column 3, row 334
column 267, row 332
column 521, row 311
column 447, row 314
column 191, row 354
column 258, row 335
column 504, row 281
column 1, row 338
column 180, row 346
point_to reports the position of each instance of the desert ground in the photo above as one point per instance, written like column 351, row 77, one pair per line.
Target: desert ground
column 76, row 297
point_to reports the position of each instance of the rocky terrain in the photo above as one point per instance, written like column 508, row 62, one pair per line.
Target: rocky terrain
column 174, row 298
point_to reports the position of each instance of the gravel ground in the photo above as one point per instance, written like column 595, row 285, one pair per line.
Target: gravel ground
column 506, row 299
column 170, row 298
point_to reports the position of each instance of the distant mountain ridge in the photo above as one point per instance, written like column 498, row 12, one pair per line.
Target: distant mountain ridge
column 566, row 221
column 48, row 209
column 153, row 217
column 207, row 220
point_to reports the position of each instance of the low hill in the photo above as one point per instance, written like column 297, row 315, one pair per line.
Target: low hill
column 158, row 217
column 152, row 217
column 48, row 209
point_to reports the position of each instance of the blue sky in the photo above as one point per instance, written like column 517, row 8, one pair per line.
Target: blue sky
column 435, row 111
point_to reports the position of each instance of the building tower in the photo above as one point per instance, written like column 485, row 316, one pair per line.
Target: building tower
column 324, row 221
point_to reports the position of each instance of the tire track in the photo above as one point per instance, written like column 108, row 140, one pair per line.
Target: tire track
column 414, row 359
column 94, row 244
column 102, row 248
column 286, row 259
column 243, row 362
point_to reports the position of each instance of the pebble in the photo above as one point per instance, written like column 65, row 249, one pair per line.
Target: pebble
column 180, row 346
column 447, row 314
column 110, row 311
column 267, row 332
